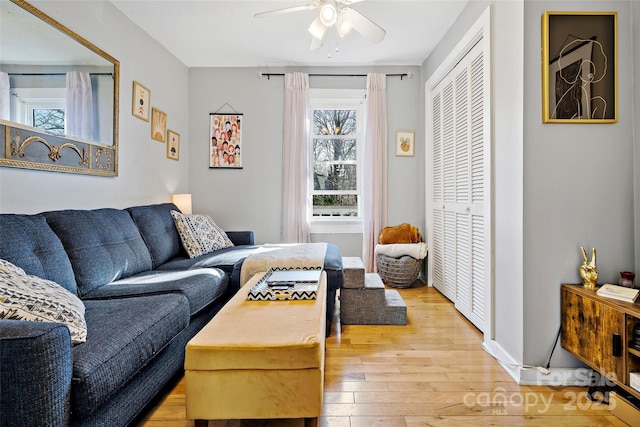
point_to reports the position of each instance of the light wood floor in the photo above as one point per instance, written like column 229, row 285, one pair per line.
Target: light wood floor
column 431, row 372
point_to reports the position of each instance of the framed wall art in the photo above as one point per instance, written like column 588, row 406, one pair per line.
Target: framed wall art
column 173, row 145
column 579, row 67
column 158, row 125
column 405, row 143
column 225, row 149
column 140, row 103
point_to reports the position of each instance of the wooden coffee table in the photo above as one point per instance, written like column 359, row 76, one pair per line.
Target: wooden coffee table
column 258, row 360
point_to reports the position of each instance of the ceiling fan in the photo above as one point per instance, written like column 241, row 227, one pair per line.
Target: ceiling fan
column 334, row 12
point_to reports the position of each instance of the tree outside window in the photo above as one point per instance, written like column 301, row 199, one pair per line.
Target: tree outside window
column 335, row 168
column 49, row 119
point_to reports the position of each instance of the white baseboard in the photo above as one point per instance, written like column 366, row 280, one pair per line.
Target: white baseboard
column 538, row 376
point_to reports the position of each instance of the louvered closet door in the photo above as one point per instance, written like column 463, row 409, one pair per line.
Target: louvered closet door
column 458, row 193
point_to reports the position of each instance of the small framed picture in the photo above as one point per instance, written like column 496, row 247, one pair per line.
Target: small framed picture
column 158, row 125
column 404, row 143
column 140, row 104
column 173, row 145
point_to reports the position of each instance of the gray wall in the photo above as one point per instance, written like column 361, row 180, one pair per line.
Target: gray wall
column 557, row 187
column 635, row 17
column 578, row 188
column 251, row 198
column 145, row 174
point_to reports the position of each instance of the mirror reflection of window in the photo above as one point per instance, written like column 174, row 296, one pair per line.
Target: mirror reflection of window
column 37, row 55
column 49, row 119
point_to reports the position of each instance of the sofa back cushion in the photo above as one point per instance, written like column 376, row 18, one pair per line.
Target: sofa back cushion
column 103, row 245
column 28, row 242
column 158, row 231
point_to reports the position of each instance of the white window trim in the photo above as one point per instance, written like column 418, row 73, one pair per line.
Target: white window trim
column 28, row 99
column 338, row 98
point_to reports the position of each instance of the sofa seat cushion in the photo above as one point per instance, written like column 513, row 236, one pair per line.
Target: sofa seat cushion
column 123, row 336
column 223, row 259
column 158, row 231
column 103, row 245
column 28, row 242
column 200, row 286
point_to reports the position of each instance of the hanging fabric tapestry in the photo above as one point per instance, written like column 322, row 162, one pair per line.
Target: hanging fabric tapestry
column 226, row 141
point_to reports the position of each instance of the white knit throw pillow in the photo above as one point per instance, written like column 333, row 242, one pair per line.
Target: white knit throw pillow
column 199, row 234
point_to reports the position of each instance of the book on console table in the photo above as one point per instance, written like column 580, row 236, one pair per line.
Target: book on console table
column 618, row 292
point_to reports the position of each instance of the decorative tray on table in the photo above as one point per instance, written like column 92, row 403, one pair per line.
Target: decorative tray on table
column 294, row 284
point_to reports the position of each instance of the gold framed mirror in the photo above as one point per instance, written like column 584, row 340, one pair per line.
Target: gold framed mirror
column 58, row 96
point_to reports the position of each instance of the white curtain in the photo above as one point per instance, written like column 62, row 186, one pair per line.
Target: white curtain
column 296, row 202
column 5, row 96
column 79, row 108
column 374, row 169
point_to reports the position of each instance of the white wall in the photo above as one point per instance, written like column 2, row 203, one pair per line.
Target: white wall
column 251, row 198
column 145, row 174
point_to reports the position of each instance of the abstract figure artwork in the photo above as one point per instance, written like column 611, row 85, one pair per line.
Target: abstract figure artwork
column 579, row 67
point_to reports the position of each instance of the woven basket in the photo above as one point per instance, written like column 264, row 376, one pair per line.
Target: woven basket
column 398, row 272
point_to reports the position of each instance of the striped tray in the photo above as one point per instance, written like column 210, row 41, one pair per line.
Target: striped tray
column 261, row 291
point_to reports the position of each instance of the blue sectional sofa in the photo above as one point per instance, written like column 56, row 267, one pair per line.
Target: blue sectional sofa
column 144, row 299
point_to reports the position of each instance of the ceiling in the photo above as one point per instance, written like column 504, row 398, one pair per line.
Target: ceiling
column 224, row 33
column 28, row 40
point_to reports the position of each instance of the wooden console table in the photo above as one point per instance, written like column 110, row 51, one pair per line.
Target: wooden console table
column 597, row 330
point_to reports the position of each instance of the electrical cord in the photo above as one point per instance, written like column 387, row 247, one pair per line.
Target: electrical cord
column 544, row 370
column 555, row 344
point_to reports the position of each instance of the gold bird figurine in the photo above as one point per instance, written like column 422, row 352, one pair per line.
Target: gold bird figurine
column 588, row 269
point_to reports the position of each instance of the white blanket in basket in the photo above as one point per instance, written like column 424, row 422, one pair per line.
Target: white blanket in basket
column 281, row 256
column 397, row 250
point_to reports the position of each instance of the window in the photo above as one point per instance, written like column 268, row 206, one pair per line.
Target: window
column 43, row 108
column 49, row 119
column 336, row 129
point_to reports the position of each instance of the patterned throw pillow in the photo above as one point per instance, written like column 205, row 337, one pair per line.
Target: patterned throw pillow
column 199, row 234
column 26, row 297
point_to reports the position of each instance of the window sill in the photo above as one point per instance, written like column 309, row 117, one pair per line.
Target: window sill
column 336, row 225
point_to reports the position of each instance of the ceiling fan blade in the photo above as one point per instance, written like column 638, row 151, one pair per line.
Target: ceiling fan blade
column 316, row 43
column 285, row 10
column 364, row 25
column 319, row 33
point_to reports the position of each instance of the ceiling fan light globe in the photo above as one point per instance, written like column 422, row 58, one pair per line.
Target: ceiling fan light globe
column 317, row 29
column 328, row 14
column 343, row 26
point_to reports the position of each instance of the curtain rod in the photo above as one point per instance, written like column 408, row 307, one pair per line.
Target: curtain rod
column 401, row 75
column 55, row 74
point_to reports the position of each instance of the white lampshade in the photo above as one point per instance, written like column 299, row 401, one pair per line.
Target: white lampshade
column 183, row 202
column 343, row 25
column 317, row 29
